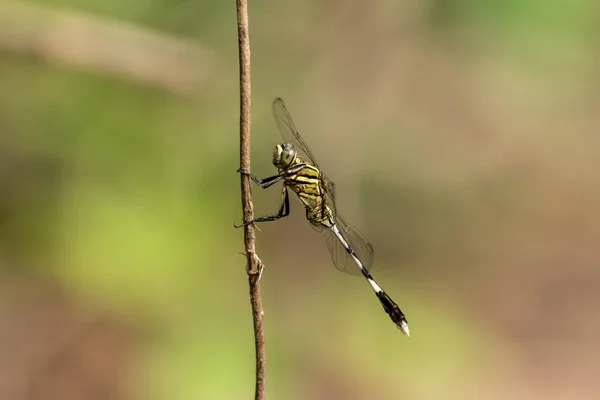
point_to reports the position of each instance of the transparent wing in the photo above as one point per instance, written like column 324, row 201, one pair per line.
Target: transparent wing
column 341, row 259
column 361, row 246
column 329, row 187
column 288, row 130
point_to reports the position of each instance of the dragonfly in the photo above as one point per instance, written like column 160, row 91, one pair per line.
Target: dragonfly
column 298, row 169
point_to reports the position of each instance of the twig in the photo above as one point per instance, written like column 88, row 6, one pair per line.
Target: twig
column 254, row 263
column 103, row 45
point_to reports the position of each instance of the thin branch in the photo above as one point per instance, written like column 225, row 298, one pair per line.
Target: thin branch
column 254, row 263
column 103, row 45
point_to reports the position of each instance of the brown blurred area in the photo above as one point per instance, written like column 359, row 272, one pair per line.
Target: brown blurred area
column 54, row 348
column 464, row 141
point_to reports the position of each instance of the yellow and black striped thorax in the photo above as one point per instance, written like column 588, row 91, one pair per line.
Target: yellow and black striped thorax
column 308, row 184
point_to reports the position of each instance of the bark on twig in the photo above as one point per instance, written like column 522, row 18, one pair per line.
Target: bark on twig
column 254, row 263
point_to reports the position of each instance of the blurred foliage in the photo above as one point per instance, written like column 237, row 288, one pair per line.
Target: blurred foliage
column 576, row 19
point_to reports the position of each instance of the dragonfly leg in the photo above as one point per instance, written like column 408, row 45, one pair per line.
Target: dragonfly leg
column 284, row 211
column 263, row 183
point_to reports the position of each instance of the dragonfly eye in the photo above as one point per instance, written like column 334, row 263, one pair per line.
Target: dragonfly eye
column 277, row 155
column 284, row 155
column 288, row 155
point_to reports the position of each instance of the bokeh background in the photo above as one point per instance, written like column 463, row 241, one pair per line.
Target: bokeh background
column 464, row 140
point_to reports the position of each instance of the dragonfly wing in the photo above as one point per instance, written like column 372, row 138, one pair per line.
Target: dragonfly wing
column 288, row 130
column 340, row 256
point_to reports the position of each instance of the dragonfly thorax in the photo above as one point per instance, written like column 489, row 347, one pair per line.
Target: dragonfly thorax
column 284, row 155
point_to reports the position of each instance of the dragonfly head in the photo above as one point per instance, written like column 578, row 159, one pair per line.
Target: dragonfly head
column 284, row 155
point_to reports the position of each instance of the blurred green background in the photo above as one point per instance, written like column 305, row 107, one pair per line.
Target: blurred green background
column 462, row 136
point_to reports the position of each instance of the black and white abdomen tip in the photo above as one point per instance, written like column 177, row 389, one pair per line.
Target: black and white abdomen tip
column 392, row 309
